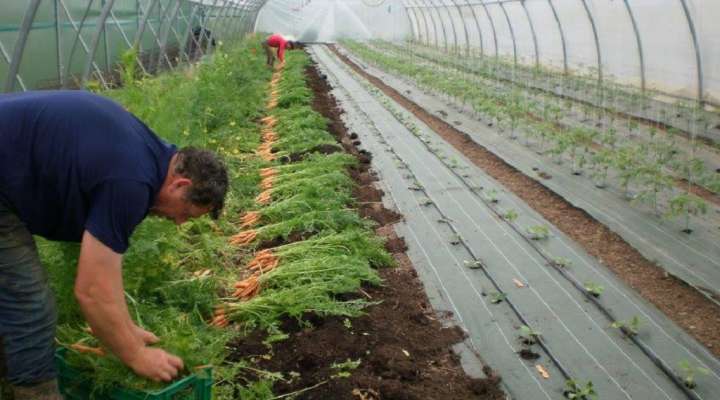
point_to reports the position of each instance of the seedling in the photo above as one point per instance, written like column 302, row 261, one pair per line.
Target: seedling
column 496, row 297
column 689, row 372
column 594, row 289
column 538, row 232
column 529, row 336
column 560, row 262
column 510, row 215
column 473, row 264
column 426, row 202
column 455, row 240
column 491, row 196
column 575, row 390
column 344, row 368
column 629, row 327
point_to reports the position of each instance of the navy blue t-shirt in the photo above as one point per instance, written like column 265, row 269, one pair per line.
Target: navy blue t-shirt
column 72, row 161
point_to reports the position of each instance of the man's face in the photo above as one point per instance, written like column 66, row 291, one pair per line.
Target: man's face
column 176, row 208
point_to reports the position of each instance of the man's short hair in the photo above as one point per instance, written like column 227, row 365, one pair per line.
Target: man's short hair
column 208, row 175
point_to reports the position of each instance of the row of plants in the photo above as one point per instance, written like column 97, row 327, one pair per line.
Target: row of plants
column 185, row 283
column 580, row 84
column 576, row 111
column 651, row 170
column 685, row 372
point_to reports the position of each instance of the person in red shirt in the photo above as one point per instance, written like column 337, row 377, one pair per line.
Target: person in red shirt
column 278, row 42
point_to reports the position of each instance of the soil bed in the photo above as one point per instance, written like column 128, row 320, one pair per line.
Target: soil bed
column 688, row 308
column 405, row 350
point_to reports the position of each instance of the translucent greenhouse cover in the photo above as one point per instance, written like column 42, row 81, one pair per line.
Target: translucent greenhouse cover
column 672, row 46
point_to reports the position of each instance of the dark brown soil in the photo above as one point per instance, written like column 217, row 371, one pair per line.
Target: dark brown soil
column 690, row 309
column 404, row 350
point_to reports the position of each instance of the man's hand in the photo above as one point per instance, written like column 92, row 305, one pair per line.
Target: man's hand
column 146, row 336
column 155, row 364
column 100, row 294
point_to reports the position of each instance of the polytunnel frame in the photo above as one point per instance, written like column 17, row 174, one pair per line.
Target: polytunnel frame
column 422, row 8
column 170, row 14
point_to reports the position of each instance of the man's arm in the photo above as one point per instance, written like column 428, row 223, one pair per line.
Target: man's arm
column 99, row 291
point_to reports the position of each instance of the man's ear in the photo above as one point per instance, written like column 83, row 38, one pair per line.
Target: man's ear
column 180, row 182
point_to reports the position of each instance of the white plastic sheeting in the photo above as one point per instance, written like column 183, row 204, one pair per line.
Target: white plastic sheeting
column 330, row 20
column 637, row 42
column 645, row 43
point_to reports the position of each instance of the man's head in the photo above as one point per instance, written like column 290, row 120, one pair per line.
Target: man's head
column 293, row 45
column 196, row 184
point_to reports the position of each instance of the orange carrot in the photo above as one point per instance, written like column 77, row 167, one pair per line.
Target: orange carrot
column 87, row 349
column 243, row 238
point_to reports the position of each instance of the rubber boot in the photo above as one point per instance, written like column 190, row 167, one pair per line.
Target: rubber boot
column 42, row 391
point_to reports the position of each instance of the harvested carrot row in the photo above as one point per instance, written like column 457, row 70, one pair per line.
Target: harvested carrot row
column 267, row 183
column 243, row 238
column 263, row 197
column 247, row 288
column 249, row 219
column 265, row 266
column 87, row 349
column 270, row 171
column 269, row 120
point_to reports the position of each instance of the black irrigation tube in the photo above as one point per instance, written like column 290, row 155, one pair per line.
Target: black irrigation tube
column 447, row 220
column 646, row 120
column 607, row 313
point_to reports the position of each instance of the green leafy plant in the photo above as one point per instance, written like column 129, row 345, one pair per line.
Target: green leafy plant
column 529, row 336
column 538, row 232
column 594, row 289
column 576, row 390
column 690, row 372
column 630, row 327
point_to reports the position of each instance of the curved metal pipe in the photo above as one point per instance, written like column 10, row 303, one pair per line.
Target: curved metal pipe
column 20, row 44
column 562, row 36
column 425, row 23
column 477, row 25
column 512, row 32
column 534, row 36
column 492, row 26
column 412, row 24
column 638, row 40
column 441, row 23
column 422, row 10
column 467, row 36
column 96, row 41
column 597, row 40
column 698, row 55
column 452, row 25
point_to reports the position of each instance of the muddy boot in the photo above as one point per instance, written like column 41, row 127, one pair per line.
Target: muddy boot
column 41, row 391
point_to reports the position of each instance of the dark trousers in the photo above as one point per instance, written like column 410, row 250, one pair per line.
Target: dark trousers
column 269, row 53
column 27, row 306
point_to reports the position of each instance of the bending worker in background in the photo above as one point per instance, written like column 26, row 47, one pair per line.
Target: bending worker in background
column 277, row 41
column 78, row 167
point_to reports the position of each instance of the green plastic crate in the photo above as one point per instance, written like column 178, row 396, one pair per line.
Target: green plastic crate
column 73, row 386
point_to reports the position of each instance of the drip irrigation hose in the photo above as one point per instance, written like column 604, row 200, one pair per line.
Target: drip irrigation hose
column 515, row 310
column 603, row 310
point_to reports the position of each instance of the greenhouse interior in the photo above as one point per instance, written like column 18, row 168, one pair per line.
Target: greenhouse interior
column 359, row 199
